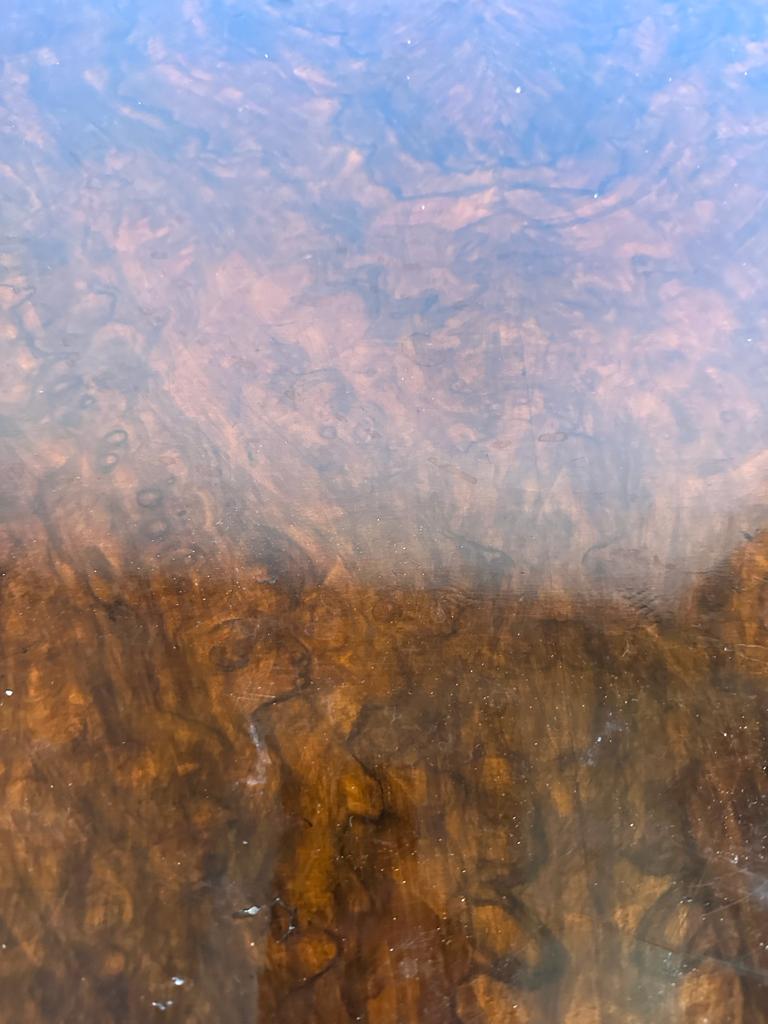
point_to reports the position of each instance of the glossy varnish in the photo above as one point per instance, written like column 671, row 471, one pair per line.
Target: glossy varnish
column 383, row 513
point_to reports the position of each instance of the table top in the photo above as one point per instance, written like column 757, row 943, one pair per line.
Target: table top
column 383, row 505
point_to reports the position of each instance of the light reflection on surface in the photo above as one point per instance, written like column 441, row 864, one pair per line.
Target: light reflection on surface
column 490, row 271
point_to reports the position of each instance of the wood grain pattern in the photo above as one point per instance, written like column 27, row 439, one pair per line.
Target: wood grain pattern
column 383, row 513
